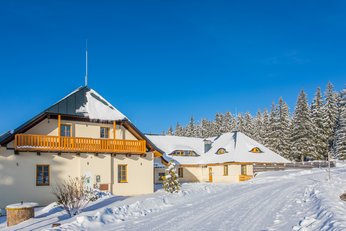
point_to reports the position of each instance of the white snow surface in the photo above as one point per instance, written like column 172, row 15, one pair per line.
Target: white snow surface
column 98, row 108
column 22, row 205
column 237, row 146
column 284, row 200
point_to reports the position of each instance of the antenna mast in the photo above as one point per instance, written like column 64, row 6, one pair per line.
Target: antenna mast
column 86, row 64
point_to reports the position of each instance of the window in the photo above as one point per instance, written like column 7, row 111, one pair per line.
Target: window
column 180, row 172
column 221, row 151
column 122, row 173
column 243, row 170
column 184, row 153
column 225, row 170
column 161, row 176
column 65, row 130
column 256, row 150
column 104, row 132
column 42, row 175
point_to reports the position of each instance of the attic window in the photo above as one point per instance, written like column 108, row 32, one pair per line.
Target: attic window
column 221, row 151
column 184, row 153
column 256, row 150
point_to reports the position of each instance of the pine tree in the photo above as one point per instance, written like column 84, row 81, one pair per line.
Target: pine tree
column 319, row 135
column 228, row 122
column 248, row 125
column 205, row 128
column 191, row 128
column 170, row 131
column 272, row 140
column 330, row 117
column 258, row 124
column 240, row 123
column 265, row 128
column 178, row 130
column 283, row 129
column 171, row 183
column 301, row 136
column 341, row 129
column 218, row 124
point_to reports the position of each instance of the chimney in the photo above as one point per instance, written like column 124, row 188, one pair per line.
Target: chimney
column 207, row 145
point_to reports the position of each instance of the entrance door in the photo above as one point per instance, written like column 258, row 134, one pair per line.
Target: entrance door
column 210, row 175
column 88, row 181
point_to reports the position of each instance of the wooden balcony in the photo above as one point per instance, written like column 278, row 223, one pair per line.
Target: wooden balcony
column 43, row 143
column 244, row 177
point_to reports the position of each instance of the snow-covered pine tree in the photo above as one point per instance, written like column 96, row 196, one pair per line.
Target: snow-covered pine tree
column 283, row 129
column 240, row 123
column 330, row 117
column 171, row 183
column 248, row 125
column 228, row 122
column 178, row 130
column 206, row 128
column 170, row 131
column 191, row 128
column 272, row 141
column 341, row 130
column 265, row 127
column 218, row 124
column 301, row 135
column 258, row 123
column 319, row 135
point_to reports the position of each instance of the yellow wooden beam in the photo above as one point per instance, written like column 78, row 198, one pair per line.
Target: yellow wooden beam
column 114, row 129
column 59, row 125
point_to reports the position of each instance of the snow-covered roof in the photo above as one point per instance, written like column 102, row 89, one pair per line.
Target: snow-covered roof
column 86, row 102
column 238, row 148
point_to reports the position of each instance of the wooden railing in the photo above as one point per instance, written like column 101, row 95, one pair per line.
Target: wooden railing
column 26, row 142
column 244, row 177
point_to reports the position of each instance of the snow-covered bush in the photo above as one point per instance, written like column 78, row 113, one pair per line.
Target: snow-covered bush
column 170, row 182
column 73, row 196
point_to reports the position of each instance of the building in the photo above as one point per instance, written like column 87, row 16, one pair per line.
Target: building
column 227, row 158
column 81, row 135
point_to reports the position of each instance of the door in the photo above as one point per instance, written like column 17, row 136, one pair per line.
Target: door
column 210, row 175
column 88, row 181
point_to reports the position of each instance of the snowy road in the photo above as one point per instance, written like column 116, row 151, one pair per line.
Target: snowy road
column 287, row 200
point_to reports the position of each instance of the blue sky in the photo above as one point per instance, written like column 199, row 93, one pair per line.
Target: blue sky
column 160, row 62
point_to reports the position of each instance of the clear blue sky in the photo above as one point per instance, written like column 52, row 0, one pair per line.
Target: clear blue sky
column 160, row 62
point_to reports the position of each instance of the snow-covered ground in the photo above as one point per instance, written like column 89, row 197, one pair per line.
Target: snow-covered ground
column 286, row 200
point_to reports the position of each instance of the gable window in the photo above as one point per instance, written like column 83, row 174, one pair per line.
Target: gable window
column 221, row 151
column 104, row 132
column 256, row 150
column 184, row 153
column 42, row 175
column 225, row 170
column 243, row 170
column 180, row 172
column 65, row 130
column 122, row 173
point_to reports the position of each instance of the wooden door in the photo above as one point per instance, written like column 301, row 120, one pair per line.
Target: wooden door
column 210, row 175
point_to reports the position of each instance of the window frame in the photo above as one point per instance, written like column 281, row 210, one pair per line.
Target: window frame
column 181, row 172
column 37, row 171
column 243, row 169
column 120, row 172
column 108, row 132
column 66, row 125
column 225, row 170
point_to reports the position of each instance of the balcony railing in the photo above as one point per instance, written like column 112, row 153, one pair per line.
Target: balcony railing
column 26, row 142
column 244, row 177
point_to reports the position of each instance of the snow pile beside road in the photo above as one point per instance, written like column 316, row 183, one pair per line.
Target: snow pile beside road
column 139, row 208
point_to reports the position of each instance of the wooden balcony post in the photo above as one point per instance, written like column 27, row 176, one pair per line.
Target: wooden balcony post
column 59, row 129
column 114, row 130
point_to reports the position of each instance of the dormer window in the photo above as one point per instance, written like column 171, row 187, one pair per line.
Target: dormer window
column 256, row 150
column 221, row 151
column 184, row 153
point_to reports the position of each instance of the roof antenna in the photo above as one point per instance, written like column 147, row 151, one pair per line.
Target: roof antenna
column 86, row 63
